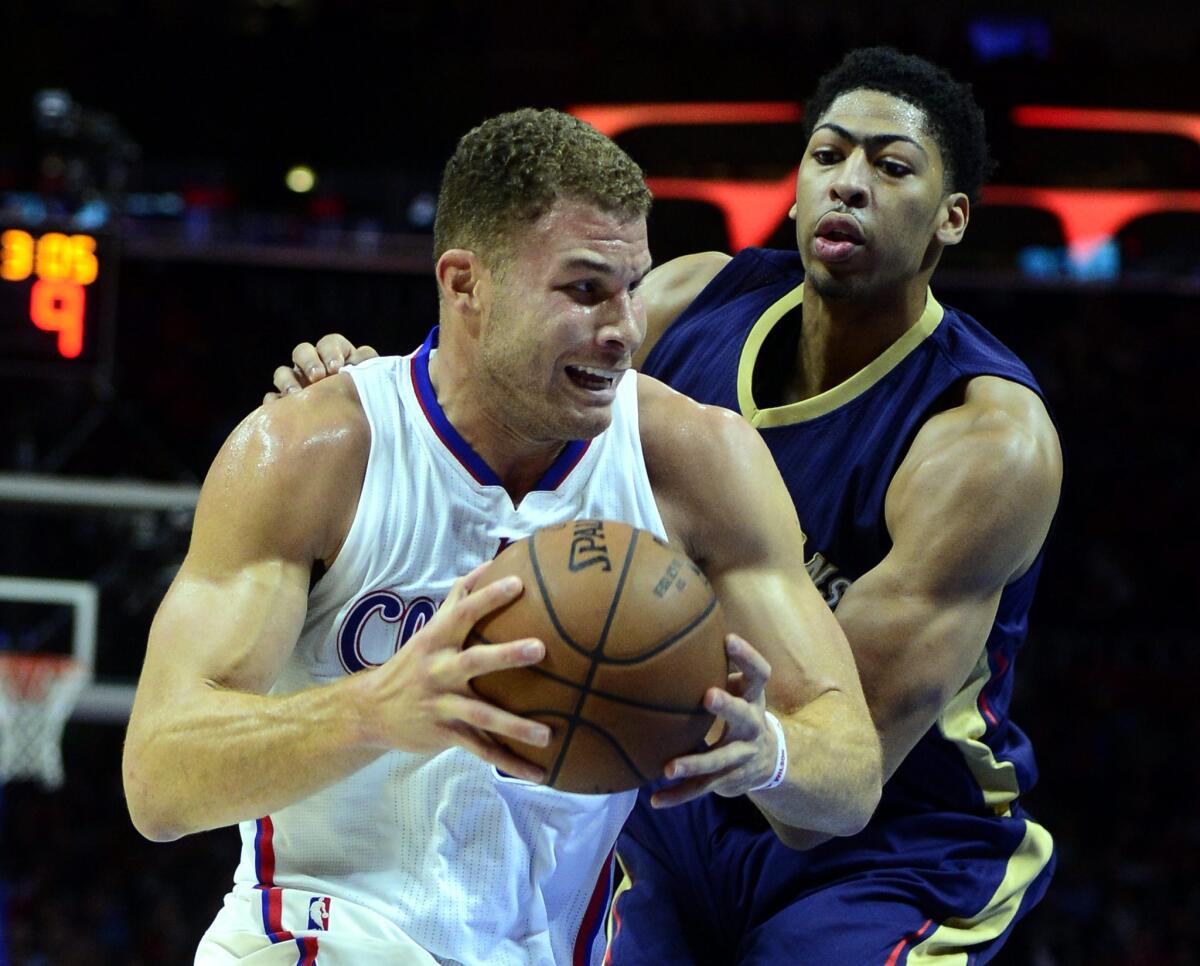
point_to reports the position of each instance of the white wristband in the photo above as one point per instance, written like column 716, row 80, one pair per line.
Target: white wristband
column 781, row 762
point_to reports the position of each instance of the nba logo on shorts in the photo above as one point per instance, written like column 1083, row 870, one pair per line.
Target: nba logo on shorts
column 318, row 912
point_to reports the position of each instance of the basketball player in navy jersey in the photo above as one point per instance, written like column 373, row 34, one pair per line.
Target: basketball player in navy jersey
column 381, row 823
column 926, row 472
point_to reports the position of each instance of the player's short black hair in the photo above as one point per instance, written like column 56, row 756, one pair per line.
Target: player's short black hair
column 955, row 118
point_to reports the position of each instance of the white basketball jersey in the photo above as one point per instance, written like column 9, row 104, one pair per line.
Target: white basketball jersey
column 472, row 866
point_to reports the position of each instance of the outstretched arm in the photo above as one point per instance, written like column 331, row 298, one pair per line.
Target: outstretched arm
column 207, row 746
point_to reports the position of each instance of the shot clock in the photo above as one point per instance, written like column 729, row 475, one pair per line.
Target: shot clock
column 52, row 288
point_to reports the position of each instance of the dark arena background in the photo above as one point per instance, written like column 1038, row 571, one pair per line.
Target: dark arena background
column 187, row 190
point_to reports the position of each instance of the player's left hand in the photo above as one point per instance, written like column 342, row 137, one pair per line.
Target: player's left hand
column 312, row 363
column 746, row 753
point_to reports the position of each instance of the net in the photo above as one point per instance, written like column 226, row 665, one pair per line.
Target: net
column 37, row 693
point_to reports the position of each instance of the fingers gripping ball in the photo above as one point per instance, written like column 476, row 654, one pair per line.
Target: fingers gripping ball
column 634, row 638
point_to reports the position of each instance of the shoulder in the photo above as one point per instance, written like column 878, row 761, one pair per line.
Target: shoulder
column 998, row 417
column 325, row 422
column 705, row 463
column 685, row 275
column 991, row 465
column 675, row 428
column 976, row 349
column 293, row 465
column 671, row 287
column 1016, row 439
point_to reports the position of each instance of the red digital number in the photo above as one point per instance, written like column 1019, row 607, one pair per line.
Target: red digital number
column 57, row 306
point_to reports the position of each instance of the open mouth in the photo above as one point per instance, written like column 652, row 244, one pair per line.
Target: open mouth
column 834, row 235
column 592, row 378
column 837, row 238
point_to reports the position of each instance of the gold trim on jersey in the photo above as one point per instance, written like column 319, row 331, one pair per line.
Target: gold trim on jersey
column 840, row 394
column 962, row 723
column 610, row 926
column 948, row 944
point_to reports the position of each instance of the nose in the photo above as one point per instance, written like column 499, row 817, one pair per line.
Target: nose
column 624, row 327
column 851, row 183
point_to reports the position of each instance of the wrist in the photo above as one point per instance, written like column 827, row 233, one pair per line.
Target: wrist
column 362, row 697
column 779, row 772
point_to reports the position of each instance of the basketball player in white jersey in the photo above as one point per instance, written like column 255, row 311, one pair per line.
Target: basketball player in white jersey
column 381, row 822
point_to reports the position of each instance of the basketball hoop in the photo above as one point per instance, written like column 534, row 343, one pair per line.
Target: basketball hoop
column 37, row 693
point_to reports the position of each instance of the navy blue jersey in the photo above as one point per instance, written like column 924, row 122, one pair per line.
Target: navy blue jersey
column 837, row 453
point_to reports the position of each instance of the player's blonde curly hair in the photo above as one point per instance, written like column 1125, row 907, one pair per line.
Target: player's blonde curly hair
column 507, row 172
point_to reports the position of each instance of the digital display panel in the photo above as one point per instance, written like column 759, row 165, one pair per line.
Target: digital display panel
column 52, row 285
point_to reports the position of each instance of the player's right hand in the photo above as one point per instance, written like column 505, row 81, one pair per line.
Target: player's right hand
column 312, row 363
column 421, row 698
column 744, row 750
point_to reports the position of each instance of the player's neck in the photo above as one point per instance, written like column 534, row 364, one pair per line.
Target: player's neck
column 842, row 337
column 517, row 461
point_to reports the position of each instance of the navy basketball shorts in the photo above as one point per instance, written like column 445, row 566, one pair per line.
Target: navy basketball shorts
column 709, row 883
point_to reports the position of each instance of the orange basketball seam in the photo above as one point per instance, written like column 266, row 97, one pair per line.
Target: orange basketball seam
column 617, row 698
column 666, row 642
column 553, row 615
column 616, row 744
column 604, row 733
column 585, row 690
column 662, row 645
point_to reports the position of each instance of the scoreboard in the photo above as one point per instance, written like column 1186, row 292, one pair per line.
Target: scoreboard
column 52, row 288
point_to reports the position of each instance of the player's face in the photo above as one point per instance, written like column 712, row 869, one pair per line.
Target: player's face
column 565, row 320
column 870, row 197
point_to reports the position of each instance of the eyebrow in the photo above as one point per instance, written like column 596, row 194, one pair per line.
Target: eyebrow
column 599, row 266
column 872, row 141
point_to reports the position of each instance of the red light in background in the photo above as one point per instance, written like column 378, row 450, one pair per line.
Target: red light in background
column 1107, row 119
column 1090, row 216
column 613, row 119
column 752, row 209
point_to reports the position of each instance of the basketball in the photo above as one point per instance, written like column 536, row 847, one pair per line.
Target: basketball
column 634, row 638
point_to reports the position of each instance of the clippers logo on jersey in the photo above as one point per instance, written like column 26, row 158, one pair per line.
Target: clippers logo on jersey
column 824, row 576
column 318, row 913
column 586, row 548
column 377, row 625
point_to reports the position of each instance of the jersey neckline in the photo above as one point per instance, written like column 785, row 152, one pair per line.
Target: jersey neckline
column 836, row 396
column 459, row 448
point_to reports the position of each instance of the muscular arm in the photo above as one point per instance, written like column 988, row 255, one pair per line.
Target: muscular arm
column 207, row 746
column 968, row 511
column 722, row 498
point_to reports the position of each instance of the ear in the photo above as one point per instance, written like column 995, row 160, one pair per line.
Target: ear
column 792, row 211
column 956, row 212
column 464, row 283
